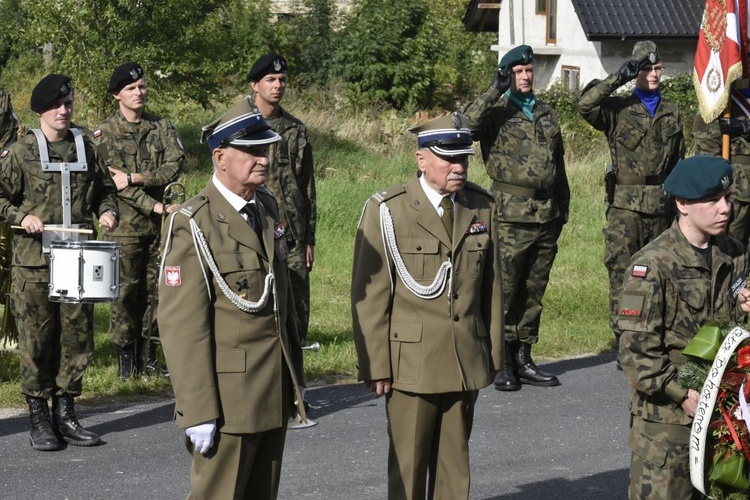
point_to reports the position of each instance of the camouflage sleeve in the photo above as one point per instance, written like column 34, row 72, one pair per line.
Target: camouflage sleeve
column 643, row 355
column 11, row 186
column 707, row 137
column 306, row 181
column 171, row 164
column 139, row 198
column 592, row 103
column 105, row 191
column 478, row 111
column 8, row 121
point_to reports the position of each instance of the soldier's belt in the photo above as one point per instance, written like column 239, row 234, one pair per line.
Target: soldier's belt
column 641, row 180
column 537, row 194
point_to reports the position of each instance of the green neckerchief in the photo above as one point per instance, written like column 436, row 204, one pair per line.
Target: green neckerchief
column 525, row 103
column 61, row 147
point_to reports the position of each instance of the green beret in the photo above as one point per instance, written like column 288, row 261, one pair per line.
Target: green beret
column 699, row 176
column 523, row 54
column 646, row 49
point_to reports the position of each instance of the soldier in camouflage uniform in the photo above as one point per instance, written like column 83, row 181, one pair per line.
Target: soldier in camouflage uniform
column 645, row 141
column 675, row 284
column 291, row 178
column 55, row 340
column 523, row 153
column 708, row 141
column 8, row 121
column 144, row 154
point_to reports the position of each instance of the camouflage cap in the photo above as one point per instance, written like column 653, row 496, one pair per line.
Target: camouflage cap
column 241, row 125
column 523, row 54
column 698, row 177
column 446, row 135
column 48, row 90
column 269, row 63
column 124, row 75
column 646, row 49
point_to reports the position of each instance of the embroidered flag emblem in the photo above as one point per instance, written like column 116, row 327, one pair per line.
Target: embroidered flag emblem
column 639, row 271
column 172, row 276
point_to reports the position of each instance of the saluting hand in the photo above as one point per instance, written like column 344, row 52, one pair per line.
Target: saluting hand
column 502, row 79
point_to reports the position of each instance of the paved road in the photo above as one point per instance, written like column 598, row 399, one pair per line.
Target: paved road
column 567, row 442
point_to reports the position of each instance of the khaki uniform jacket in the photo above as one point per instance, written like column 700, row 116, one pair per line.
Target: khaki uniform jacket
column 227, row 364
column 669, row 294
column 429, row 346
column 27, row 189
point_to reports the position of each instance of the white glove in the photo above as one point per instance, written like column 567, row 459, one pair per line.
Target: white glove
column 202, row 436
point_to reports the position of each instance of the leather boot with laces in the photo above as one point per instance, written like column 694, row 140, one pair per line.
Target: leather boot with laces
column 151, row 363
column 64, row 419
column 528, row 372
column 507, row 380
column 126, row 362
column 42, row 437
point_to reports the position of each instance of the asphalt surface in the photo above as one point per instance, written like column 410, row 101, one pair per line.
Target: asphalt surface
column 566, row 442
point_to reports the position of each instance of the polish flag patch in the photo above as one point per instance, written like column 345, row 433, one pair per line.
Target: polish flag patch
column 97, row 133
column 172, row 276
column 639, row 271
column 4, row 153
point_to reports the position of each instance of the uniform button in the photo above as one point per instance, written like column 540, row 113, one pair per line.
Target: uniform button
column 419, row 247
column 455, row 296
column 479, row 245
column 395, row 335
column 455, row 318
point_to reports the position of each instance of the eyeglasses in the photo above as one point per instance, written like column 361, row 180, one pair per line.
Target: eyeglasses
column 656, row 69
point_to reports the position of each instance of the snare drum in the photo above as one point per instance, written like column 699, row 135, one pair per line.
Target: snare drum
column 84, row 271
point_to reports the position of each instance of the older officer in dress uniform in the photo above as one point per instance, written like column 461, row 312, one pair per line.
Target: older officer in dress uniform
column 224, row 297
column 427, row 308
column 693, row 273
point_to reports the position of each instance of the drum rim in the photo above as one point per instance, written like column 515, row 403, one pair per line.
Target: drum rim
column 85, row 244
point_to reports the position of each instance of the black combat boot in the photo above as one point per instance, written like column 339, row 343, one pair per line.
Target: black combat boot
column 151, row 363
column 126, row 362
column 528, row 372
column 42, row 437
column 507, row 380
column 66, row 423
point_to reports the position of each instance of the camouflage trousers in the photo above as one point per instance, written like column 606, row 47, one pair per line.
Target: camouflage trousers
column 299, row 276
column 739, row 226
column 55, row 340
column 527, row 252
column 626, row 232
column 135, row 307
column 660, row 461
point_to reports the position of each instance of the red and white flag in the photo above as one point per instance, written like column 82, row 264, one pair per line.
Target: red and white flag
column 719, row 55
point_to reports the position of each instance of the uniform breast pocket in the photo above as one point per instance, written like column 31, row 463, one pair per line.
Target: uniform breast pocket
column 126, row 149
column 690, row 310
column 477, row 247
column 512, row 140
column 420, row 256
column 406, row 351
column 230, row 370
column 630, row 133
column 242, row 272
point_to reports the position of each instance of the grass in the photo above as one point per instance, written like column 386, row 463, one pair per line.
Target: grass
column 355, row 156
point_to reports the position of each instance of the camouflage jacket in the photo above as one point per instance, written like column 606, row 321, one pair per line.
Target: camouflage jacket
column 26, row 189
column 8, row 121
column 644, row 149
column 521, row 153
column 708, row 141
column 669, row 293
column 291, row 178
column 153, row 150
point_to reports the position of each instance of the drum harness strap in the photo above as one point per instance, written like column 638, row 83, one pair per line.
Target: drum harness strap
column 443, row 276
column 202, row 248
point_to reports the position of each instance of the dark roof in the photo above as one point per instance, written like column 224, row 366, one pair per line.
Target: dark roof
column 634, row 19
column 612, row 19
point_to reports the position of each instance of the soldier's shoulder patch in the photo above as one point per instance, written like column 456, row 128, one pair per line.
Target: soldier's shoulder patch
column 4, row 153
column 98, row 133
column 639, row 271
column 632, row 304
column 389, row 193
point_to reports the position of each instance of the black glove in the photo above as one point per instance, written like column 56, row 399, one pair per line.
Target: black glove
column 734, row 127
column 628, row 71
column 502, row 79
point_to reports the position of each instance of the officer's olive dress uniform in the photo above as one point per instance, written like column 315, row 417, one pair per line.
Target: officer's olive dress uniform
column 439, row 351
column 243, row 369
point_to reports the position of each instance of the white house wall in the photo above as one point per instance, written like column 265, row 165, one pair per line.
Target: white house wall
column 595, row 59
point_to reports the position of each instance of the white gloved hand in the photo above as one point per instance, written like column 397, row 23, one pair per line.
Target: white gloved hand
column 202, row 436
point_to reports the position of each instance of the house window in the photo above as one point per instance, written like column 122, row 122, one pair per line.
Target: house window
column 571, row 77
column 541, row 6
column 551, row 21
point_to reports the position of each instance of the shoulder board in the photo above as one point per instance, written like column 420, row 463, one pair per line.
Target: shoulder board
column 389, row 193
column 479, row 189
column 193, row 205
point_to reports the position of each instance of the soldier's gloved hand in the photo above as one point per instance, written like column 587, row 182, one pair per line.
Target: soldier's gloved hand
column 734, row 127
column 202, row 436
column 628, row 71
column 502, row 79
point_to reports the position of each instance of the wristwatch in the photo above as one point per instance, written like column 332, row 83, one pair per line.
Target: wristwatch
column 114, row 214
column 130, row 180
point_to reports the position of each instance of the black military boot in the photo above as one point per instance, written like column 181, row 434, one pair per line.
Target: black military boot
column 151, row 363
column 64, row 419
column 507, row 380
column 126, row 362
column 42, row 437
column 528, row 372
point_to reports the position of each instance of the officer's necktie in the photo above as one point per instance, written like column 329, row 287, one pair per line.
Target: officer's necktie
column 253, row 217
column 447, row 205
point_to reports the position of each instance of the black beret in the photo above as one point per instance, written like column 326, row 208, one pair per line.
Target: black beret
column 48, row 90
column 523, row 54
column 269, row 63
column 698, row 177
column 124, row 75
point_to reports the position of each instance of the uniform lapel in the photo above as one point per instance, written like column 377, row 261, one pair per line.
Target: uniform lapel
column 463, row 216
column 427, row 216
column 237, row 228
column 267, row 224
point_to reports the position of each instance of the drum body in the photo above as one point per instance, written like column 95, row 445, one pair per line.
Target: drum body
column 84, row 271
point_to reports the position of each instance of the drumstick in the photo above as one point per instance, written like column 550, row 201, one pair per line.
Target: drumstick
column 62, row 229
